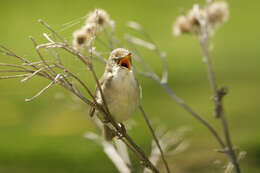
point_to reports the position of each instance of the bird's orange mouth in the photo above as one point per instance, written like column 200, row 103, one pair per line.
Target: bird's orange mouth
column 126, row 61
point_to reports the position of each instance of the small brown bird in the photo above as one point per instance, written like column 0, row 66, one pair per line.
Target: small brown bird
column 120, row 88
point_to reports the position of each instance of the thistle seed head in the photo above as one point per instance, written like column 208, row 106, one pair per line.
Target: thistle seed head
column 218, row 12
column 182, row 25
column 90, row 29
column 215, row 13
column 99, row 17
column 80, row 39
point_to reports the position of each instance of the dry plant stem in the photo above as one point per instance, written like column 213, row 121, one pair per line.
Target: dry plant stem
column 13, row 65
column 15, row 76
column 44, row 89
column 164, row 78
column 56, row 55
column 230, row 151
column 8, row 52
column 88, row 63
column 145, row 161
column 150, row 74
column 204, row 42
column 53, row 32
column 155, row 139
column 11, row 53
column 6, row 71
column 41, row 57
column 193, row 113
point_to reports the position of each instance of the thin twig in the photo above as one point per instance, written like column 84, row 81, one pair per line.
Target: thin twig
column 155, row 138
column 33, row 74
column 193, row 113
column 15, row 76
column 44, row 89
column 204, row 39
column 55, row 53
column 13, row 65
column 52, row 31
column 154, row 47
column 41, row 57
column 6, row 71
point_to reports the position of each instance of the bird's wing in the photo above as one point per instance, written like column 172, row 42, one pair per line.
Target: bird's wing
column 104, row 80
column 140, row 88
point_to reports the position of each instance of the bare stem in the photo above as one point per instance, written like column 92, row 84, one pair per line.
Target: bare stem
column 44, row 89
column 15, row 76
column 155, row 138
column 217, row 94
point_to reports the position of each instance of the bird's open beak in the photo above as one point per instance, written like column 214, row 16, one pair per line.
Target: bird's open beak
column 126, row 61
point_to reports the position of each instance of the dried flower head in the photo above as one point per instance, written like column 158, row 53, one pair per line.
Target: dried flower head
column 95, row 23
column 194, row 15
column 182, row 25
column 90, row 29
column 218, row 12
column 81, row 39
column 99, row 17
column 190, row 22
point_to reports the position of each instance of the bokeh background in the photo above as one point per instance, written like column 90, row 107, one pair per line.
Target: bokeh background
column 47, row 135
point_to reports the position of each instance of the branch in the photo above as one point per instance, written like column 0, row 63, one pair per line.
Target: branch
column 155, row 138
column 15, row 76
column 217, row 96
column 45, row 88
column 172, row 143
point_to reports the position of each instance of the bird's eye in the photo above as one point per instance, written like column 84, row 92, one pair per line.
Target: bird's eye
column 117, row 60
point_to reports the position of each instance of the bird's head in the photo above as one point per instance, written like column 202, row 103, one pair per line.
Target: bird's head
column 120, row 58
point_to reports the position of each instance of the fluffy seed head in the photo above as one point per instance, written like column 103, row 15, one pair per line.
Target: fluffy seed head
column 218, row 12
column 99, row 17
column 194, row 15
column 90, row 29
column 80, row 39
column 182, row 25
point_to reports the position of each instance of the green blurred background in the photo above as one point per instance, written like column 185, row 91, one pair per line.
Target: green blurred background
column 47, row 135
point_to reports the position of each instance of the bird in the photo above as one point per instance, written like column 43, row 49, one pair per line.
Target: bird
column 120, row 88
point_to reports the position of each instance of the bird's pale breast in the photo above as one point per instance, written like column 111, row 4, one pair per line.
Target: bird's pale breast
column 122, row 95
